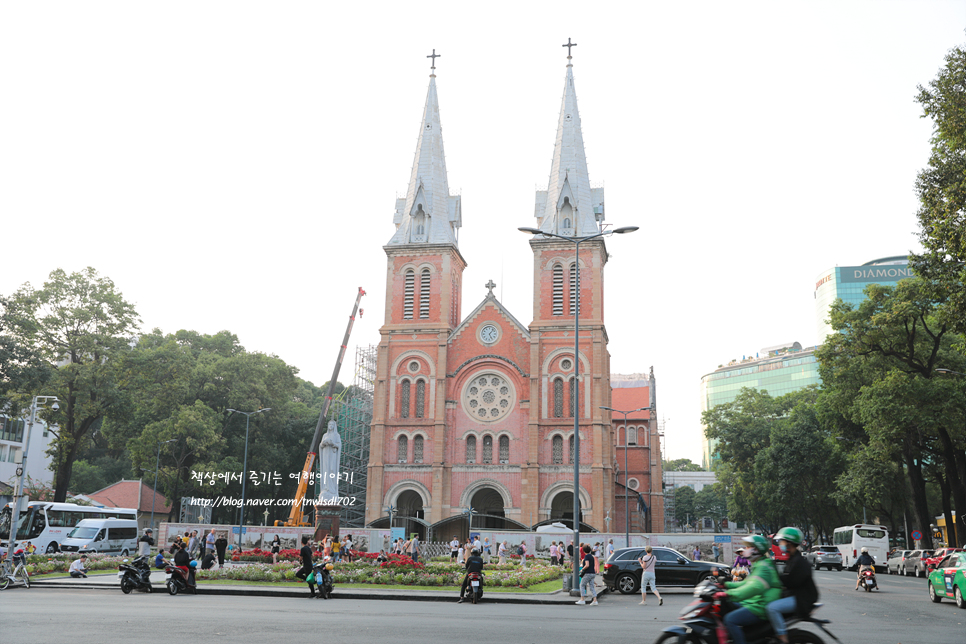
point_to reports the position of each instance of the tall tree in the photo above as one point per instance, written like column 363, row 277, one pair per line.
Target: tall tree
column 81, row 324
column 682, row 465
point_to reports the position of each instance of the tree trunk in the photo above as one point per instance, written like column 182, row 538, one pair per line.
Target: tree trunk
column 957, row 487
column 918, row 484
column 65, row 467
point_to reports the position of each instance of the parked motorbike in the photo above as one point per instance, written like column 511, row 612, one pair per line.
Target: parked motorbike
column 179, row 581
column 476, row 586
column 704, row 622
column 323, row 579
column 135, row 575
column 867, row 580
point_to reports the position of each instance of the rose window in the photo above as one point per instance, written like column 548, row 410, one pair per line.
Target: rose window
column 488, row 397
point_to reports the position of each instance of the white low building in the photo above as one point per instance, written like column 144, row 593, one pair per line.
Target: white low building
column 12, row 431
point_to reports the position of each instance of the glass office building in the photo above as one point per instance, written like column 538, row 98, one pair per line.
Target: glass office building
column 783, row 369
column 849, row 282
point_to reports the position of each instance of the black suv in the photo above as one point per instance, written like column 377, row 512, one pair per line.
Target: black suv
column 623, row 573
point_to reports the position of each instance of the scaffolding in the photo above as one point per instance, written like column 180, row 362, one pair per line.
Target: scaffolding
column 354, row 417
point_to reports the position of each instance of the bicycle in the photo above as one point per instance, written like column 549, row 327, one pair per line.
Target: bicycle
column 16, row 577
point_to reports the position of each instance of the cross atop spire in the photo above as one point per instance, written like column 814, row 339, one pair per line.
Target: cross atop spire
column 568, row 45
column 434, row 56
column 490, row 285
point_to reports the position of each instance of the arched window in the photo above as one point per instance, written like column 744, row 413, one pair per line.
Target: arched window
column 558, row 398
column 471, row 449
column 409, row 294
column 566, row 223
column 424, row 293
column 558, row 289
column 487, row 449
column 631, row 435
column 573, row 397
column 574, row 298
column 404, row 399
column 504, row 449
column 402, row 449
column 557, row 448
column 571, row 450
column 420, row 398
column 418, row 449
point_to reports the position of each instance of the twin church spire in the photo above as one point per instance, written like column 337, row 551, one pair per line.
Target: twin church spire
column 569, row 206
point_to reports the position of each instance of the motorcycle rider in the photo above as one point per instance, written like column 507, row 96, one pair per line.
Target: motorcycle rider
column 864, row 562
column 759, row 589
column 474, row 563
column 797, row 579
column 183, row 561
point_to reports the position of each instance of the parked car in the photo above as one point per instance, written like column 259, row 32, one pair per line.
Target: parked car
column 622, row 572
column 948, row 580
column 896, row 560
column 912, row 564
column 828, row 556
column 930, row 563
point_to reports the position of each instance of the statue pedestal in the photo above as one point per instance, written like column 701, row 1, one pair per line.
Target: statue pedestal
column 326, row 521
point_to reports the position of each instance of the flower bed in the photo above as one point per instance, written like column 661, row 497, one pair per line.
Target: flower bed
column 59, row 563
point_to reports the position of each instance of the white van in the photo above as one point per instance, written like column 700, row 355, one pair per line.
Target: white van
column 104, row 536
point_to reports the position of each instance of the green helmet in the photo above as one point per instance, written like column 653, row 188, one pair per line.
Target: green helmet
column 757, row 542
column 791, row 535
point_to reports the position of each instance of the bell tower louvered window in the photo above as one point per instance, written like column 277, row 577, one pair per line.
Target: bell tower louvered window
column 571, row 450
column 418, row 449
column 557, row 450
column 402, row 449
column 573, row 397
column 487, row 449
column 631, row 435
column 408, row 295
column 558, row 398
column 504, row 449
column 471, row 449
column 424, row 293
column 558, row 290
column 420, row 399
column 404, row 399
column 574, row 300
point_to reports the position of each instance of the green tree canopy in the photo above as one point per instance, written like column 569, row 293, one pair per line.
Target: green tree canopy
column 682, row 465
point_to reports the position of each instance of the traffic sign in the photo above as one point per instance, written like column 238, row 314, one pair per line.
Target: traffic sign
column 916, row 535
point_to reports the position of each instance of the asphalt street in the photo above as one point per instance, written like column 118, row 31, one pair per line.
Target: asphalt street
column 900, row 613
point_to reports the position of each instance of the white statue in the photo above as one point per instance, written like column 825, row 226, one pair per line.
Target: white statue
column 330, row 450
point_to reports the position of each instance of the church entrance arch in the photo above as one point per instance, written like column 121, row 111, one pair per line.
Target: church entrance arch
column 409, row 506
column 562, row 507
column 488, row 501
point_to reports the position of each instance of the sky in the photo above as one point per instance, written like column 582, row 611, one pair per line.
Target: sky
column 234, row 165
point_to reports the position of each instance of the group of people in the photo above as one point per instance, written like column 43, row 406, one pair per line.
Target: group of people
column 461, row 552
column 188, row 547
column 410, row 546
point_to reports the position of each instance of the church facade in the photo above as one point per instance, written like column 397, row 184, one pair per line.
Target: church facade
column 478, row 410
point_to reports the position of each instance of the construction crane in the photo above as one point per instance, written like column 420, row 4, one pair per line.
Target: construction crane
column 295, row 517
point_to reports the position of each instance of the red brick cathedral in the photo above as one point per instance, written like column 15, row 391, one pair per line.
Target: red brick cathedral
column 477, row 411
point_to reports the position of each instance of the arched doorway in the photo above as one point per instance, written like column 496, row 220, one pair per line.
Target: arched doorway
column 489, row 502
column 409, row 504
column 562, row 507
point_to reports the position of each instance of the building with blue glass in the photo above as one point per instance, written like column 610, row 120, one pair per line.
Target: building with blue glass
column 848, row 283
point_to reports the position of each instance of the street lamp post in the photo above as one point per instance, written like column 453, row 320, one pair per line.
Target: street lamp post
column 37, row 401
column 577, row 241
column 241, row 515
column 627, row 529
column 157, row 464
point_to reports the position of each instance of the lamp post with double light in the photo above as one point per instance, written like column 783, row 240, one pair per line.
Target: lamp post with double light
column 241, row 515
column 577, row 241
column 627, row 529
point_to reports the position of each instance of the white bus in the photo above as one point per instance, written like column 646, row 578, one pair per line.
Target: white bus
column 850, row 540
column 46, row 524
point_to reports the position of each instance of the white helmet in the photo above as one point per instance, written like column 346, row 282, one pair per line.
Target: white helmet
column 864, row 549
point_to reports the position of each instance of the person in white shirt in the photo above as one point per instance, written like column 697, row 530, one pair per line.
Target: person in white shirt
column 610, row 548
column 454, row 546
column 501, row 552
column 486, row 550
column 77, row 569
column 459, row 554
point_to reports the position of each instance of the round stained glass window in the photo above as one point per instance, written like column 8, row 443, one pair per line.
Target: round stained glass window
column 565, row 364
column 414, row 366
column 488, row 397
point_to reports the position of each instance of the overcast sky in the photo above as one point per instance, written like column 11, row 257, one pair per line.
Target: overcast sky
column 234, row 165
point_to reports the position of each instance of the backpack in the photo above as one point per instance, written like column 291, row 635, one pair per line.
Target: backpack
column 520, row 550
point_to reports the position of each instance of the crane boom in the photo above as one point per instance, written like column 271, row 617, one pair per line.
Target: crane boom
column 295, row 517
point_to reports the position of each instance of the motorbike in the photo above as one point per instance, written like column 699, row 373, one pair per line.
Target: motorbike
column 178, row 580
column 704, row 622
column 135, row 575
column 323, row 579
column 867, row 580
column 476, row 586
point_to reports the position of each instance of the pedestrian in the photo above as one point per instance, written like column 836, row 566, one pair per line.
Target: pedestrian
column 145, row 542
column 159, row 560
column 193, row 544
column 454, row 546
column 208, row 561
column 501, row 552
column 610, row 549
column 336, row 548
column 696, row 555
column 553, row 553
column 459, row 554
column 477, row 545
column 303, row 572
column 327, row 547
column 221, row 544
column 276, row 547
column 347, row 548
column 522, row 551
column 486, row 550
column 716, row 552
column 597, row 558
column 588, row 577
column 648, row 562
column 414, row 548
column 210, row 541
column 77, row 568
column 570, row 551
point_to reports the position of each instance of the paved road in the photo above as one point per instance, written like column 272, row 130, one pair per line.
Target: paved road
column 899, row 614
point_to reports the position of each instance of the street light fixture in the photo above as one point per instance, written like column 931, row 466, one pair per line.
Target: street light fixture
column 38, row 401
column 157, row 463
column 241, row 514
column 577, row 241
column 627, row 529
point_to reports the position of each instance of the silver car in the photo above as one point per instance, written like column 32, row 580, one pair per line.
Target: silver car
column 897, row 561
column 827, row 556
column 913, row 564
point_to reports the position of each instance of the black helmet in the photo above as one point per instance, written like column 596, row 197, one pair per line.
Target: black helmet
column 475, row 552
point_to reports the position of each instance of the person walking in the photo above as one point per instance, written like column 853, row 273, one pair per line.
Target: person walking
column 501, row 552
column 648, row 563
column 210, row 541
column 454, row 547
column 610, row 549
column 570, row 551
column 414, row 548
column 221, row 544
column 327, row 547
column 145, row 542
column 303, row 572
column 347, row 548
column 553, row 553
column 716, row 552
column 696, row 555
column 193, row 544
column 522, row 551
column 336, row 549
column 459, row 554
column 588, row 577
column 486, row 550
column 276, row 547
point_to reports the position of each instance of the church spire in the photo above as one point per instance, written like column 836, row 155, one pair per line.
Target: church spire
column 569, row 206
column 428, row 214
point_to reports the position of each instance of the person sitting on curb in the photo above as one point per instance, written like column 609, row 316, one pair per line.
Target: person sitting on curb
column 77, row 569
